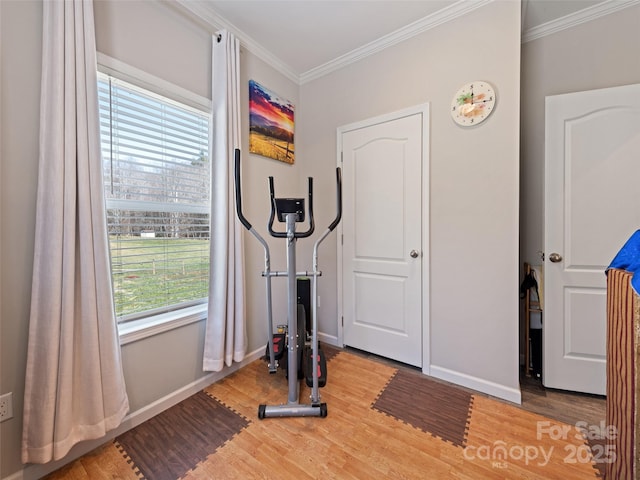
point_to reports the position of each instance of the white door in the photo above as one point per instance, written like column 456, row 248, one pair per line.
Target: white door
column 382, row 251
column 592, row 206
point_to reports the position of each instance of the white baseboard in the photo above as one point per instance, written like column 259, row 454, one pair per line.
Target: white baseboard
column 34, row 472
column 485, row 386
column 328, row 339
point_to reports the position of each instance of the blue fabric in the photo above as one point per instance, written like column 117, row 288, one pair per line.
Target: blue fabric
column 628, row 258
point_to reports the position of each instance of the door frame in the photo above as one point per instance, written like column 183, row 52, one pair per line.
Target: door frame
column 421, row 109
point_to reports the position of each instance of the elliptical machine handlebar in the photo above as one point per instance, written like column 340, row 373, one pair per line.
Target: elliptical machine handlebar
column 241, row 217
column 335, row 223
column 248, row 225
column 290, row 203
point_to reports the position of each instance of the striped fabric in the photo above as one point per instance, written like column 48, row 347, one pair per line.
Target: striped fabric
column 623, row 333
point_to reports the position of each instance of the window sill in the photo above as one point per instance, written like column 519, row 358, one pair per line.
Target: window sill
column 146, row 327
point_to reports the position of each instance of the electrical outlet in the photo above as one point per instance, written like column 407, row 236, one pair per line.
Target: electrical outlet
column 6, row 406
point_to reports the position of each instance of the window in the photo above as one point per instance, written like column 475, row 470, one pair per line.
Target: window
column 157, row 188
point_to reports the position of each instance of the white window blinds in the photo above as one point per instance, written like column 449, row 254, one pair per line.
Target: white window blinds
column 157, row 187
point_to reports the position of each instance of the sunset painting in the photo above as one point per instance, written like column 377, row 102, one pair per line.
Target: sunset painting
column 270, row 124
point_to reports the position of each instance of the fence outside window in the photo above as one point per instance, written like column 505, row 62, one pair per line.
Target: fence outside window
column 157, row 187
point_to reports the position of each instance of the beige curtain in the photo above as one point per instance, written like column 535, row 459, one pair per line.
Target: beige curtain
column 74, row 381
column 225, row 337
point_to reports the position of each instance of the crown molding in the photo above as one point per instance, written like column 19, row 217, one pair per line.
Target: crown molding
column 586, row 15
column 216, row 22
column 200, row 11
column 462, row 7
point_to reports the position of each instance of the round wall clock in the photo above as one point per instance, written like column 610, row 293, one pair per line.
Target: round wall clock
column 473, row 103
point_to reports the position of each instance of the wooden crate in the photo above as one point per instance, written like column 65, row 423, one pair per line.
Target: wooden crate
column 623, row 363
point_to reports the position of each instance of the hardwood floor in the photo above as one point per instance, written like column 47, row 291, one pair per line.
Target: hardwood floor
column 385, row 420
column 568, row 407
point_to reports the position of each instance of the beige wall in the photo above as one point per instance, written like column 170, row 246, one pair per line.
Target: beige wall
column 598, row 54
column 20, row 97
column 473, row 302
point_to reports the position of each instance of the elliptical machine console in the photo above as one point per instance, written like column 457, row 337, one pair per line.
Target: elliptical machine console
column 304, row 358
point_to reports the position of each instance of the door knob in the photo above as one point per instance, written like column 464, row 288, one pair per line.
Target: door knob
column 414, row 254
column 555, row 257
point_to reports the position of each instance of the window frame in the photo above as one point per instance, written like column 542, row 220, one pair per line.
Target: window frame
column 155, row 323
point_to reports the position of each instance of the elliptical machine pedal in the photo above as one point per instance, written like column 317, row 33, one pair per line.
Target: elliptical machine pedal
column 278, row 346
column 321, row 367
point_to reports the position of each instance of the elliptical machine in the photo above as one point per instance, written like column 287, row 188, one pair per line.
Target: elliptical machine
column 311, row 363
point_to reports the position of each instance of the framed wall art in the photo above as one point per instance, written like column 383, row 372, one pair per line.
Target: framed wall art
column 270, row 124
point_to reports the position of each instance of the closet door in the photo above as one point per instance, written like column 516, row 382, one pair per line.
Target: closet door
column 382, row 251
